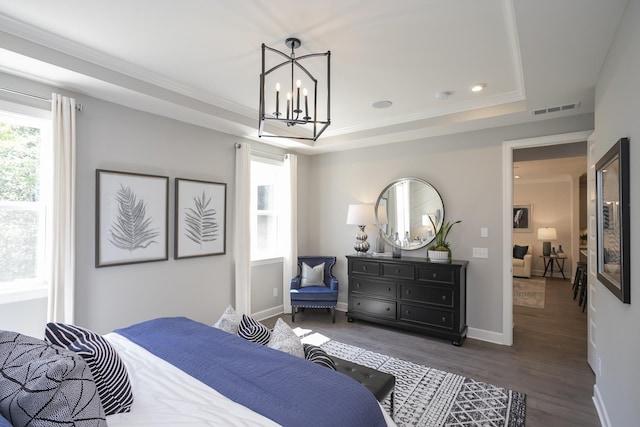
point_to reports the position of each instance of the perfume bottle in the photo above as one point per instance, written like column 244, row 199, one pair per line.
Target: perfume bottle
column 396, row 251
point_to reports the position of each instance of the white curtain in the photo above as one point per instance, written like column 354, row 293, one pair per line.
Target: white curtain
column 290, row 233
column 242, row 240
column 62, row 219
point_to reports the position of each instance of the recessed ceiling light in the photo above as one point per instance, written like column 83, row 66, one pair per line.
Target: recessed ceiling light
column 444, row 94
column 382, row 104
column 478, row 87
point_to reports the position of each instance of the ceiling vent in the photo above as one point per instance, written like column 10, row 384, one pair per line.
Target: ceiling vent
column 556, row 109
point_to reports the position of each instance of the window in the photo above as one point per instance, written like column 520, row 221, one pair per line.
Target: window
column 24, row 194
column 266, row 201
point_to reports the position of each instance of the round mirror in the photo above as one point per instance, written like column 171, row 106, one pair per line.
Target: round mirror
column 409, row 211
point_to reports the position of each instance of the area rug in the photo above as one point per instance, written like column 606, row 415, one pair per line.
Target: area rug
column 432, row 398
column 528, row 292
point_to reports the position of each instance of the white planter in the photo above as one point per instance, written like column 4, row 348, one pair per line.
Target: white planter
column 438, row 256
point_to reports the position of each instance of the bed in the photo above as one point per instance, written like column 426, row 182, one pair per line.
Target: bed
column 185, row 373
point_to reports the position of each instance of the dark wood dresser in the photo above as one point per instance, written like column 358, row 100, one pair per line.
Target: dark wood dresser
column 410, row 293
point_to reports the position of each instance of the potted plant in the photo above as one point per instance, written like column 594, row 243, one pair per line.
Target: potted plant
column 439, row 250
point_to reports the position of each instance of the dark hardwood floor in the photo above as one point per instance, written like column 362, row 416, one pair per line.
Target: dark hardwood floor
column 548, row 360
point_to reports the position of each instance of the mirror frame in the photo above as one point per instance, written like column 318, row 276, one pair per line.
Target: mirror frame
column 382, row 232
column 613, row 220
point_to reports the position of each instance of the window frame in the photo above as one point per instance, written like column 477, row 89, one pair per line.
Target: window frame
column 260, row 258
column 37, row 287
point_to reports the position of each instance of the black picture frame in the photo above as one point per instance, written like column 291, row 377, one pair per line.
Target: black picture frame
column 200, row 218
column 613, row 220
column 521, row 218
column 132, row 218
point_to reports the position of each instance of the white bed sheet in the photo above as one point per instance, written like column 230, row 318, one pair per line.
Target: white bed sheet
column 166, row 396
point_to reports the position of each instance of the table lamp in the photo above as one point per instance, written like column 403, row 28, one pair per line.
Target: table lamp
column 547, row 234
column 361, row 215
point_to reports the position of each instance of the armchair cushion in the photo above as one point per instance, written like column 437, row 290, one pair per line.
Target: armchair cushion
column 312, row 276
column 520, row 251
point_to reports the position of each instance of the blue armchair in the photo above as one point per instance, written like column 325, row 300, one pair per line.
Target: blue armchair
column 314, row 286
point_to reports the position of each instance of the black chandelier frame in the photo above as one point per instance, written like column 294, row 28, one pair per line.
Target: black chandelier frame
column 294, row 116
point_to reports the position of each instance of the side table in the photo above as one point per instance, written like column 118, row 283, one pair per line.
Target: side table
column 548, row 264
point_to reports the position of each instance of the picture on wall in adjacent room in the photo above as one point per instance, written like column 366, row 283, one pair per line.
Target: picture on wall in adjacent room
column 200, row 220
column 131, row 218
column 522, row 218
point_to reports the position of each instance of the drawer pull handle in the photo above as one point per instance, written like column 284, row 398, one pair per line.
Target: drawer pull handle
column 408, row 292
column 444, row 319
column 444, row 297
column 388, row 289
column 358, row 285
column 364, row 268
column 434, row 275
column 388, row 308
column 397, row 271
column 358, row 304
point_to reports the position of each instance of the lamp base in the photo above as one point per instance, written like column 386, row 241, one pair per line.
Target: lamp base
column 546, row 248
column 361, row 245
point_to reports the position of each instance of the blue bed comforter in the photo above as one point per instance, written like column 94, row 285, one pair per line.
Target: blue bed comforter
column 289, row 390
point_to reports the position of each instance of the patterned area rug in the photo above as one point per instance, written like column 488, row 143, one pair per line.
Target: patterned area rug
column 529, row 292
column 428, row 397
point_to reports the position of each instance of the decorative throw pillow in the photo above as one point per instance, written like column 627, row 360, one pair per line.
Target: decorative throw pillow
column 520, row 251
column 252, row 330
column 44, row 385
column 312, row 276
column 229, row 321
column 284, row 339
column 107, row 368
column 315, row 354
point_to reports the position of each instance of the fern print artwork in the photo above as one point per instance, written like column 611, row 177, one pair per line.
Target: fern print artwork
column 200, row 223
column 132, row 227
column 200, row 218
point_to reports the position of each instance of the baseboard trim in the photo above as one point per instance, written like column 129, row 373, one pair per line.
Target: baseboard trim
column 600, row 408
column 270, row 312
column 342, row 306
column 488, row 336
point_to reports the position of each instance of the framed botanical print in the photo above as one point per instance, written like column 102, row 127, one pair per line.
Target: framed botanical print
column 613, row 220
column 131, row 218
column 200, row 218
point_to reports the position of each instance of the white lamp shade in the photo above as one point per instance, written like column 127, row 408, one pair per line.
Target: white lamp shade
column 547, row 233
column 382, row 214
column 361, row 214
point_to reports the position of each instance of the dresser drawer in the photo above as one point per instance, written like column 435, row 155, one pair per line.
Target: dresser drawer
column 373, row 307
column 397, row 271
column 428, row 294
column 370, row 268
column 426, row 316
column 436, row 275
column 373, row 287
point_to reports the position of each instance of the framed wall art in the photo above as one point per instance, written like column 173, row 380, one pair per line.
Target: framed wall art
column 131, row 218
column 521, row 218
column 613, row 220
column 200, row 218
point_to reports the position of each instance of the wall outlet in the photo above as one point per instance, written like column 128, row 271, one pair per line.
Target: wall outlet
column 481, row 252
column 275, row 292
column 484, row 232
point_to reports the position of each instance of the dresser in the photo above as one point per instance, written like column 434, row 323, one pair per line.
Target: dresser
column 410, row 293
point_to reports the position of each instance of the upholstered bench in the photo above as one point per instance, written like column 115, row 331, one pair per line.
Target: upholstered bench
column 379, row 383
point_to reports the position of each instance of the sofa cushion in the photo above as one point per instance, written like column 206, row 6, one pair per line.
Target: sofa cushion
column 517, row 262
column 45, row 385
column 284, row 339
column 252, row 330
column 520, row 251
column 229, row 321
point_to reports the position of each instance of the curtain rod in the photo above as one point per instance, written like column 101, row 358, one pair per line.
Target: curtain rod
column 266, row 153
column 28, row 95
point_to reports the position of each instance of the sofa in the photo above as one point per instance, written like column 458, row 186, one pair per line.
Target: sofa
column 522, row 260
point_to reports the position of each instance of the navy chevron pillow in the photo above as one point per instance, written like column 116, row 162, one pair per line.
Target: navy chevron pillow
column 252, row 330
column 109, row 372
column 315, row 354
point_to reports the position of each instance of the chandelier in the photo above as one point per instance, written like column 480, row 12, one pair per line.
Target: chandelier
column 298, row 117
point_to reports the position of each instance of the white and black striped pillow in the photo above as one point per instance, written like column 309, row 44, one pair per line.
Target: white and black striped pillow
column 252, row 330
column 109, row 372
column 315, row 354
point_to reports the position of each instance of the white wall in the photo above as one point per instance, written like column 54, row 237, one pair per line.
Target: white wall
column 467, row 171
column 617, row 338
column 552, row 206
